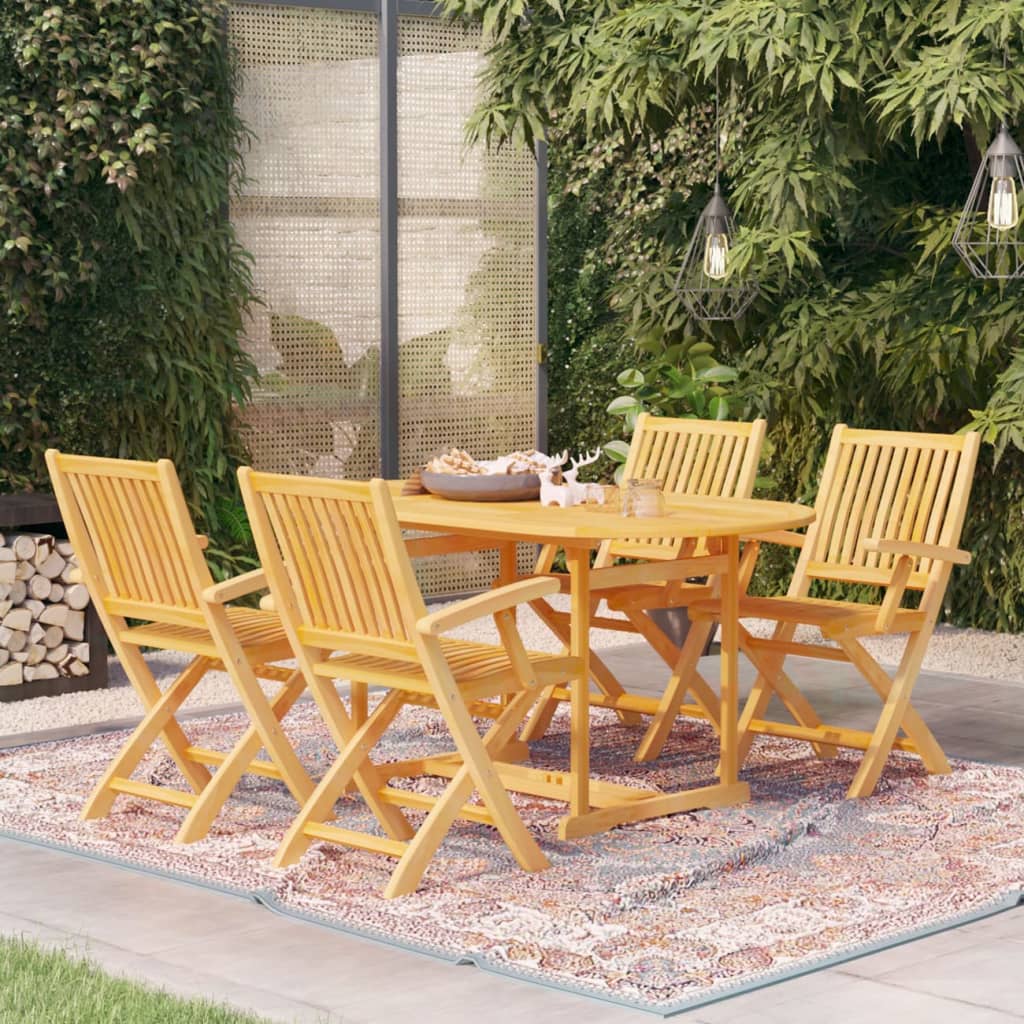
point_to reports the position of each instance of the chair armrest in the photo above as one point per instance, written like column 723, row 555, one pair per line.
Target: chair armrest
column 237, row 586
column 202, row 541
column 267, row 603
column 482, row 605
column 913, row 549
column 786, row 537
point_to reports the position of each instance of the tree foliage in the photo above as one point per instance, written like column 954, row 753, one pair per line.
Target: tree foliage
column 849, row 134
column 122, row 286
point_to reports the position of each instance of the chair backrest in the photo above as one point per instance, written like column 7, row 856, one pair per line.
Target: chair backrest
column 134, row 537
column 335, row 560
column 886, row 485
column 714, row 458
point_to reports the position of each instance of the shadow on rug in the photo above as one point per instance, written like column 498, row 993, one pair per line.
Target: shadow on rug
column 661, row 916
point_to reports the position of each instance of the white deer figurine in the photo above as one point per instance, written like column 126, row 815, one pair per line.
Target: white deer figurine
column 553, row 491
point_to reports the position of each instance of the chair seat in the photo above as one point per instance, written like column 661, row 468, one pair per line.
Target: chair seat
column 827, row 615
column 473, row 665
column 259, row 632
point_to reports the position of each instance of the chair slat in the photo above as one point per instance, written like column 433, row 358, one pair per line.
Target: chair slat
column 854, row 523
column 892, row 478
column 332, row 553
column 885, row 487
column 710, row 458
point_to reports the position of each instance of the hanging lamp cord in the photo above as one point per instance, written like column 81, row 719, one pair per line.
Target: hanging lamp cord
column 718, row 132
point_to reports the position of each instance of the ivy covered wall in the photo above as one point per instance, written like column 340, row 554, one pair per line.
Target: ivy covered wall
column 122, row 288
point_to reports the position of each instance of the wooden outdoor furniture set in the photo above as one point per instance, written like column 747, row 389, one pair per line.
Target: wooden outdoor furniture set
column 344, row 604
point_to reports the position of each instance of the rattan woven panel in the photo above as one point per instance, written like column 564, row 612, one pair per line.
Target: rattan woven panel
column 310, row 215
column 466, row 263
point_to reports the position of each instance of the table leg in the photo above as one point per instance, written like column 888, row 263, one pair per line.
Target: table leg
column 729, row 770
column 578, row 561
column 508, row 572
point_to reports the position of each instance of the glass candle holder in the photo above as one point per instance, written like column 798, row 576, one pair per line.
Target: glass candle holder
column 643, row 499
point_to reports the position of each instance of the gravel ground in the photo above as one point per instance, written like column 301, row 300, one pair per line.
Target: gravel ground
column 966, row 651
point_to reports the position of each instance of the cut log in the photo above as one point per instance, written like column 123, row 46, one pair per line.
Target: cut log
column 68, row 575
column 45, row 545
column 52, row 566
column 5, row 656
column 35, row 607
column 55, row 615
column 12, row 674
column 53, row 637
column 39, row 587
column 5, row 589
column 13, row 639
column 56, row 592
column 8, row 570
column 5, row 607
column 71, row 666
column 20, row 657
column 7, row 555
column 24, row 571
column 34, row 654
column 18, row 592
column 44, row 670
column 57, row 654
column 64, row 548
column 18, row 618
column 26, row 545
column 76, row 596
column 36, row 632
column 81, row 652
column 74, row 625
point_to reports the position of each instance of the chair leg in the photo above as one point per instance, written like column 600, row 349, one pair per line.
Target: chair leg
column 671, row 700
column 478, row 761
column 173, row 736
column 276, row 744
column 406, row 876
column 199, row 819
column 160, row 713
column 358, row 701
column 320, row 806
column 368, row 779
column 770, row 668
column 931, row 753
column 701, row 689
column 892, row 717
column 540, row 720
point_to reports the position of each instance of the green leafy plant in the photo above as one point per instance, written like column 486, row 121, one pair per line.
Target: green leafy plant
column 849, row 137
column 122, row 284
column 690, row 386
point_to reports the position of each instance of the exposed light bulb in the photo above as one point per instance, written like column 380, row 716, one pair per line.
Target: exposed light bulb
column 716, row 256
column 1003, row 212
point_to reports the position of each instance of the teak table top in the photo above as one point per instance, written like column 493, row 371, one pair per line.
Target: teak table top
column 585, row 525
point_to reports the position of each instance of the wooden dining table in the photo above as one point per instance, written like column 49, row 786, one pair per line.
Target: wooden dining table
column 598, row 805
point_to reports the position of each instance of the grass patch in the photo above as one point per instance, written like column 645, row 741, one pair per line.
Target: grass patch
column 38, row 984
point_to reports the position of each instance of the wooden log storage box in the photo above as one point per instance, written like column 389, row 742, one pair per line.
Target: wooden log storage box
column 51, row 639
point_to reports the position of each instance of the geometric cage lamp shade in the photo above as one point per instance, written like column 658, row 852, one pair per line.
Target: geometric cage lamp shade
column 706, row 283
column 989, row 236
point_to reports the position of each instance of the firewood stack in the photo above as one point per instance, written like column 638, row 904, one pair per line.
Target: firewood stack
column 42, row 610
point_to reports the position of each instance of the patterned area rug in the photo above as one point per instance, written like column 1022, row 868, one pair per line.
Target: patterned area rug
column 662, row 916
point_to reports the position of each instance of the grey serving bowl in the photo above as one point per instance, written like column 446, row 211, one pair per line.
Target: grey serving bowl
column 478, row 487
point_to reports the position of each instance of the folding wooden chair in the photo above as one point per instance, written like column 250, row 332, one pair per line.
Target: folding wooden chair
column 711, row 458
column 141, row 559
column 342, row 581
column 889, row 514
